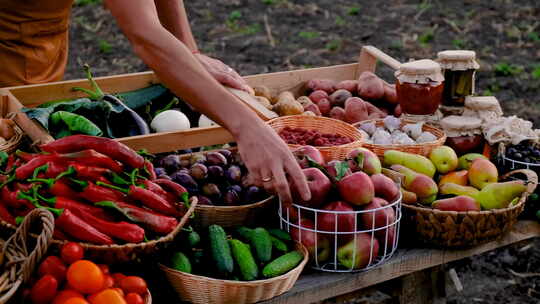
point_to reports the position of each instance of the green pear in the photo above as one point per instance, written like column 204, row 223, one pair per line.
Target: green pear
column 444, row 158
column 500, row 195
column 455, row 189
column 422, row 185
column 465, row 161
column 415, row 162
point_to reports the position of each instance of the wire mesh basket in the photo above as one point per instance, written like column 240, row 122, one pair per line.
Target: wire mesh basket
column 373, row 242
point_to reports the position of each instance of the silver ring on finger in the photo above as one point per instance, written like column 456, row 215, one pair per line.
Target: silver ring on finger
column 267, row 179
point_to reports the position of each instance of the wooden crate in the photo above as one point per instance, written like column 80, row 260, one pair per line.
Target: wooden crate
column 33, row 95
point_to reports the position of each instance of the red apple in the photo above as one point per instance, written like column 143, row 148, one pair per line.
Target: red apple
column 317, row 244
column 385, row 187
column 380, row 218
column 336, row 168
column 319, row 185
column 359, row 252
column 356, row 189
column 332, row 222
column 370, row 162
column 305, row 153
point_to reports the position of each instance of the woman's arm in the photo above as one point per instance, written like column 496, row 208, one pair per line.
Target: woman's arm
column 263, row 151
column 173, row 17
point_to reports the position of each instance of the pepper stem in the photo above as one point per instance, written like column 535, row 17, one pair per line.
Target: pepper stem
column 111, row 187
column 97, row 93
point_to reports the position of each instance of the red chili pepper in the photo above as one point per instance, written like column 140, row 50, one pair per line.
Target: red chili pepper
column 93, row 158
column 12, row 198
column 59, row 235
column 12, row 162
column 91, row 173
column 94, row 193
column 124, row 231
column 158, row 223
column 74, row 226
column 173, row 187
column 150, row 185
column 26, row 170
column 149, row 168
column 62, row 188
column 25, row 156
column 152, row 200
column 107, row 146
column 23, row 187
column 6, row 216
column 54, row 169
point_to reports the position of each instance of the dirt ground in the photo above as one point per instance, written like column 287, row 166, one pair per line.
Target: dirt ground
column 504, row 33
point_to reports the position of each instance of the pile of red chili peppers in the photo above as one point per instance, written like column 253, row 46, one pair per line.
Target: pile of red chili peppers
column 99, row 190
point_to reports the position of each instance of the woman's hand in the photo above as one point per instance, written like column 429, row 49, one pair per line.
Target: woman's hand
column 269, row 160
column 223, row 73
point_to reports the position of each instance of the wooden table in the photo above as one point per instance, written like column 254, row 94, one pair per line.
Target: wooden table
column 318, row 286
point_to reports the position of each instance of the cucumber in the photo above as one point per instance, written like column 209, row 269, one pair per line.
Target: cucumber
column 262, row 243
column 244, row 259
column 180, row 262
column 193, row 238
column 283, row 264
column 280, row 234
column 244, row 232
column 221, row 252
column 279, row 244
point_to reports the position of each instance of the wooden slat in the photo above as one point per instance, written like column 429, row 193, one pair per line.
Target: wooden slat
column 256, row 106
column 171, row 141
column 317, row 286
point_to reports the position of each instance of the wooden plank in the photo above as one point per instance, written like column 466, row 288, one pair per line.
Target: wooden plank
column 171, row 141
column 252, row 102
column 317, row 286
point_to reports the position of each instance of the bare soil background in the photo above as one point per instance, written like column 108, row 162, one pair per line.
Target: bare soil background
column 505, row 35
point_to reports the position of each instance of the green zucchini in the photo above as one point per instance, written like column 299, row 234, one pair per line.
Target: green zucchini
column 283, row 264
column 262, row 243
column 280, row 234
column 138, row 98
column 244, row 259
column 279, row 244
column 221, row 252
column 180, row 262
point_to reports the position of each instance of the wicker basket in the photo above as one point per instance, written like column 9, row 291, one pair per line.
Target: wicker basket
column 464, row 229
column 422, row 149
column 228, row 216
column 13, row 143
column 204, row 290
column 323, row 125
column 19, row 260
column 119, row 253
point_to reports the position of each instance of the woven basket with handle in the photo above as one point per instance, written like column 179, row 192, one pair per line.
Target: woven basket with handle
column 119, row 253
column 323, row 125
column 422, row 149
column 13, row 143
column 464, row 229
column 204, row 290
column 228, row 216
column 19, row 259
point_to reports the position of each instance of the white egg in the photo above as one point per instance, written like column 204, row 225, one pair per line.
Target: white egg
column 169, row 121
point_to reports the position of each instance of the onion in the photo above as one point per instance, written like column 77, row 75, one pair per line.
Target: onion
column 169, row 121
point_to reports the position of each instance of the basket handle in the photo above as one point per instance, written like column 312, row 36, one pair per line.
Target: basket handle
column 532, row 178
column 368, row 60
column 19, row 240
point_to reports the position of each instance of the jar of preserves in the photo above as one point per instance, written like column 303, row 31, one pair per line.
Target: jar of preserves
column 459, row 75
column 419, row 87
column 464, row 133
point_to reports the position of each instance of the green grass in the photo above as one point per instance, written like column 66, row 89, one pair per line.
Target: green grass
column 340, row 21
column 309, row 35
column 235, row 15
column 533, row 36
column 269, row 2
column 536, row 71
column 507, row 69
column 426, row 37
column 459, row 43
column 353, row 10
column 86, row 2
column 424, row 5
column 104, row 46
column 334, row 45
column 250, row 29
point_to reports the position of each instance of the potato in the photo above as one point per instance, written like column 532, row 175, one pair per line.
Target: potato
column 287, row 106
column 338, row 97
column 285, row 95
column 390, row 94
column 337, row 113
column 264, row 101
column 355, row 110
column 263, row 91
column 304, row 101
column 313, row 108
column 374, row 112
column 370, row 86
column 349, row 85
column 324, row 106
column 317, row 95
column 326, row 85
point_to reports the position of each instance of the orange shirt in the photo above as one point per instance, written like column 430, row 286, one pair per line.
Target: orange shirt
column 33, row 40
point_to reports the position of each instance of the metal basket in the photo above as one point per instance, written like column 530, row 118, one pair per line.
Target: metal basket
column 386, row 247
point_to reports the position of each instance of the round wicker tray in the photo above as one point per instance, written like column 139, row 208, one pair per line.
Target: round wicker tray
column 323, row 125
column 464, row 229
column 19, row 259
column 204, row 290
column 228, row 216
column 119, row 253
column 13, row 143
column 422, row 149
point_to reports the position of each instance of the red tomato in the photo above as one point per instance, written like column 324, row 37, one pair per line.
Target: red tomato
column 71, row 252
column 133, row 298
column 108, row 282
column 104, row 268
column 117, row 277
column 76, row 301
column 85, row 277
column 54, row 266
column 133, row 284
column 120, row 291
column 107, row 296
column 65, row 295
column 44, row 290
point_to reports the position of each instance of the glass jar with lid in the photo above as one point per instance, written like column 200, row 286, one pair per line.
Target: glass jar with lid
column 459, row 74
column 419, row 87
column 464, row 133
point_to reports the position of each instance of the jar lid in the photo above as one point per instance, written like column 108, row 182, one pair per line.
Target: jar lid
column 461, row 125
column 458, row 60
column 419, row 71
